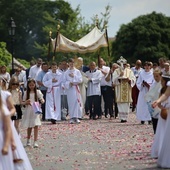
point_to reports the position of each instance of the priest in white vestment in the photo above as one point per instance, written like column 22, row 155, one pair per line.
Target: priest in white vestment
column 52, row 80
column 72, row 79
column 83, row 85
column 123, row 79
column 145, row 80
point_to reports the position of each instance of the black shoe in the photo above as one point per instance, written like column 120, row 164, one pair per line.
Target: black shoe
column 149, row 122
column 99, row 117
column 133, row 108
column 123, row 121
column 53, row 121
column 87, row 113
column 142, row 122
column 106, row 116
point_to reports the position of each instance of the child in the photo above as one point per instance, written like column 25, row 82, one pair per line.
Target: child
column 17, row 99
column 20, row 158
column 6, row 157
column 164, row 153
column 152, row 95
column 72, row 78
column 52, row 80
column 30, row 119
column 158, row 139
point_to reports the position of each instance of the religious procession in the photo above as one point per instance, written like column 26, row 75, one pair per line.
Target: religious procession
column 70, row 91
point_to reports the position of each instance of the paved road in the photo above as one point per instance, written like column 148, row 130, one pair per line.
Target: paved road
column 93, row 145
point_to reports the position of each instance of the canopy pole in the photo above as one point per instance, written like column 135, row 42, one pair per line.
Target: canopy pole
column 97, row 21
column 98, row 54
column 58, row 28
column 49, row 45
column 108, row 48
column 98, row 59
column 107, row 39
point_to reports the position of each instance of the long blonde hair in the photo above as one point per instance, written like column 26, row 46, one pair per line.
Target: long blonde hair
column 11, row 82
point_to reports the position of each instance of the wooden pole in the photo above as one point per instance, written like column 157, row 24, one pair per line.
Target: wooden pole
column 58, row 28
column 49, row 45
column 108, row 48
column 98, row 54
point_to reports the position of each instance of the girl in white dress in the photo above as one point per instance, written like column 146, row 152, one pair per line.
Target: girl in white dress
column 160, row 131
column 14, row 89
column 30, row 119
column 19, row 155
column 6, row 156
column 164, row 156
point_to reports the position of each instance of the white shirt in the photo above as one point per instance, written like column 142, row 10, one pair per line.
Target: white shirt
column 34, row 70
column 103, row 81
column 93, row 87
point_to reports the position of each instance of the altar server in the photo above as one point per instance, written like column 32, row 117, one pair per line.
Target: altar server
column 52, row 80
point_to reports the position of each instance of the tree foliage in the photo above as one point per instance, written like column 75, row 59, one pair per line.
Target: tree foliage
column 5, row 56
column 35, row 18
column 147, row 38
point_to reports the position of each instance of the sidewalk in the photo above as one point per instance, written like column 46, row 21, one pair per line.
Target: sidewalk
column 93, row 145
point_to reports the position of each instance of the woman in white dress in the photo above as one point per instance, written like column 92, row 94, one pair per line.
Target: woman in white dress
column 164, row 156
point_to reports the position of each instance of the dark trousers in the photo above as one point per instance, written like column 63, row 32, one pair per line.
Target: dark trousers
column 86, row 104
column 108, row 97
column 115, row 104
column 94, row 106
column 154, row 123
column 135, row 93
column 43, row 105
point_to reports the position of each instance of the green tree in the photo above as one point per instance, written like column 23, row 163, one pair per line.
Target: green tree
column 31, row 20
column 147, row 38
column 5, row 56
column 35, row 18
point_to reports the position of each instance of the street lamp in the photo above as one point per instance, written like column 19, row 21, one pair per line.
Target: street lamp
column 12, row 27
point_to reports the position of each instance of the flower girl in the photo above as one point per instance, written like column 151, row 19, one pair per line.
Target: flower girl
column 30, row 118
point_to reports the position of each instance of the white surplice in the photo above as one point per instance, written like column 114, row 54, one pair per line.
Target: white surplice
column 94, row 85
column 142, row 111
column 74, row 98
column 123, row 91
column 53, row 95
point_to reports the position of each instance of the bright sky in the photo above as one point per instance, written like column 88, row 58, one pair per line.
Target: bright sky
column 123, row 11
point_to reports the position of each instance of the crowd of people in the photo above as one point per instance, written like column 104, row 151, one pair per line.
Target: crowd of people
column 71, row 90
